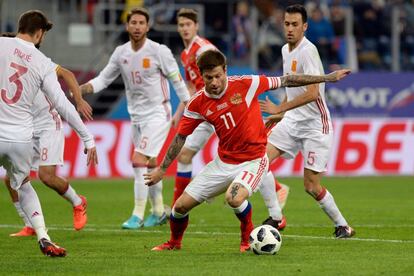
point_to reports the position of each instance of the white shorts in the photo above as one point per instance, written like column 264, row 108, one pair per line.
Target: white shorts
column 312, row 143
column 216, row 177
column 199, row 137
column 149, row 137
column 48, row 148
column 16, row 158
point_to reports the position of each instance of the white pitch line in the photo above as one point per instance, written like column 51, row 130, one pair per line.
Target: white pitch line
column 88, row 229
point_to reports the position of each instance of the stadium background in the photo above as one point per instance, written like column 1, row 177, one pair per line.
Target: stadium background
column 373, row 109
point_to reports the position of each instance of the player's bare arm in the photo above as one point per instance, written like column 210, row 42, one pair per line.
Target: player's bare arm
column 174, row 149
column 86, row 88
column 81, row 105
column 301, row 80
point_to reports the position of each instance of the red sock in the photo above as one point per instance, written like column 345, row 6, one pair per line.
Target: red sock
column 181, row 182
column 246, row 224
column 321, row 194
column 277, row 185
column 177, row 227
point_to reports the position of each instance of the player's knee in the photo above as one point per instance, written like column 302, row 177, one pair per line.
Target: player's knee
column 180, row 207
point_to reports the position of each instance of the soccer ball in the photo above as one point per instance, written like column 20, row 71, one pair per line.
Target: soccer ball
column 265, row 240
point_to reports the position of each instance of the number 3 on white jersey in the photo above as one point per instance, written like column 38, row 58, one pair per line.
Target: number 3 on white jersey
column 228, row 122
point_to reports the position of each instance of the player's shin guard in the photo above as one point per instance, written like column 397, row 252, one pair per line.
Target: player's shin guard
column 31, row 206
column 178, row 224
column 182, row 179
column 328, row 205
column 22, row 215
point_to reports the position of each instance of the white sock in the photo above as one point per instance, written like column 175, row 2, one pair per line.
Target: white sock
column 155, row 197
column 22, row 215
column 31, row 206
column 241, row 208
column 268, row 191
column 328, row 205
column 140, row 192
column 184, row 168
column 72, row 196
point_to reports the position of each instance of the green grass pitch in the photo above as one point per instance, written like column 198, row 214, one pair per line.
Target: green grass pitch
column 381, row 209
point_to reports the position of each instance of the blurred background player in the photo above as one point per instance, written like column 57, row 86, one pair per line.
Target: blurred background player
column 306, row 125
column 26, row 70
column 145, row 67
column 242, row 160
column 187, row 25
column 48, row 147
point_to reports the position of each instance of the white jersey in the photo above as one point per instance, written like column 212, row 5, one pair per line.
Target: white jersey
column 304, row 59
column 25, row 73
column 45, row 116
column 145, row 74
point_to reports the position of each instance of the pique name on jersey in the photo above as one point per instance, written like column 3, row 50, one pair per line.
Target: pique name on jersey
column 20, row 54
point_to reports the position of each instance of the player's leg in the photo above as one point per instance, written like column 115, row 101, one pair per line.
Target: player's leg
column 153, row 136
column 47, row 174
column 248, row 179
column 158, row 215
column 184, row 171
column 139, row 165
column 316, row 152
column 17, row 165
column 211, row 181
column 27, row 229
column 178, row 222
column 48, row 153
column 193, row 144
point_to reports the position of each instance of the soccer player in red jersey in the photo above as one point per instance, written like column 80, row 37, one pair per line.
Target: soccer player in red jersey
column 230, row 104
column 187, row 26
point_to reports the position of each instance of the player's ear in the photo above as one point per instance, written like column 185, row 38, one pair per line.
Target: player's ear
column 305, row 26
column 126, row 26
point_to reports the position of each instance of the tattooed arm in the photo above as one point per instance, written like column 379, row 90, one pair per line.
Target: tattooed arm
column 174, row 149
column 302, row 80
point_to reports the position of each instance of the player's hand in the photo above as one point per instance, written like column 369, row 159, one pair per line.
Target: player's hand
column 274, row 119
column 154, row 176
column 268, row 106
column 92, row 158
column 84, row 109
column 338, row 75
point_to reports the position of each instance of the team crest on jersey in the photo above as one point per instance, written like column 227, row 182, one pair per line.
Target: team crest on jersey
column 294, row 65
column 146, row 63
column 236, row 99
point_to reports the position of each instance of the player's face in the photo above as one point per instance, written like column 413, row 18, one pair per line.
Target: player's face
column 187, row 28
column 215, row 80
column 294, row 28
column 137, row 27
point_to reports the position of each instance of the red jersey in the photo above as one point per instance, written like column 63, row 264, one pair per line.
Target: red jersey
column 189, row 60
column 235, row 115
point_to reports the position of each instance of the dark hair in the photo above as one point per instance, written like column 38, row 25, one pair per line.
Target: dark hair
column 210, row 59
column 141, row 11
column 298, row 9
column 188, row 13
column 32, row 21
column 8, row 34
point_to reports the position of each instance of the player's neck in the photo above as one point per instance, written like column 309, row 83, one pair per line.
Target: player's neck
column 26, row 37
column 187, row 42
column 292, row 46
column 137, row 44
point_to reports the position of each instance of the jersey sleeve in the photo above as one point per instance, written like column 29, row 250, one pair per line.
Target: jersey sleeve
column 311, row 61
column 54, row 92
column 190, row 120
column 108, row 74
column 204, row 48
column 169, row 68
